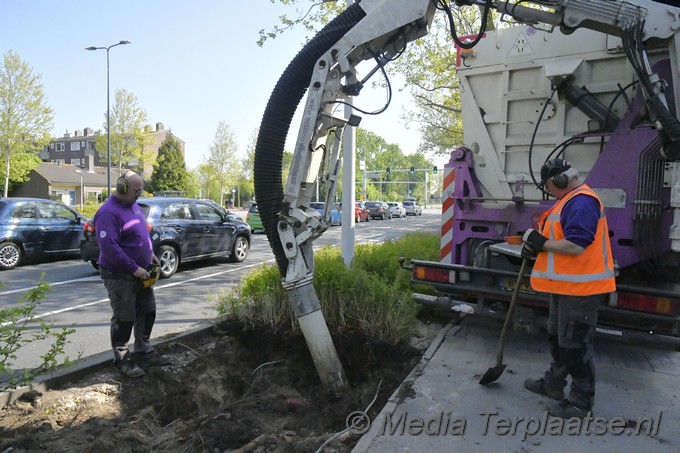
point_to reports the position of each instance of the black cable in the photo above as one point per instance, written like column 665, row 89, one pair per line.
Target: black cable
column 560, row 149
column 443, row 6
column 389, row 93
column 669, row 126
column 533, row 136
column 641, row 56
column 398, row 43
column 622, row 91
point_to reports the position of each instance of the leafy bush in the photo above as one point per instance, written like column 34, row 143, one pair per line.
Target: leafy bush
column 372, row 296
column 14, row 335
column 89, row 209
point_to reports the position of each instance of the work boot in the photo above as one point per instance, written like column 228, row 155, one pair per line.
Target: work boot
column 150, row 359
column 566, row 409
column 129, row 368
column 539, row 386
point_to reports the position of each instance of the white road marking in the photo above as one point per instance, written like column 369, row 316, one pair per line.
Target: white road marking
column 366, row 239
column 88, row 304
column 23, row 290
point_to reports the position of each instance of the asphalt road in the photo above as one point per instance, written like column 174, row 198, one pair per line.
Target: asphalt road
column 77, row 296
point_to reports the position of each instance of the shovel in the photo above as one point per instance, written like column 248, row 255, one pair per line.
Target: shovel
column 493, row 373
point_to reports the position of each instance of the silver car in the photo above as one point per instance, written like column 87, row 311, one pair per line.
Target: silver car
column 397, row 208
column 413, row 208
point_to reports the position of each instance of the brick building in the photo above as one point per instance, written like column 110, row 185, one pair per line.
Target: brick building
column 77, row 148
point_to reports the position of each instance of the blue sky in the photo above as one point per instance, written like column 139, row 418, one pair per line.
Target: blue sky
column 191, row 64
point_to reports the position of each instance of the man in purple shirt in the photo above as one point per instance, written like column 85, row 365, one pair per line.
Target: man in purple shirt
column 125, row 254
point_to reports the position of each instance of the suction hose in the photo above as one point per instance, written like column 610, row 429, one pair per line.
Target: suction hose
column 276, row 120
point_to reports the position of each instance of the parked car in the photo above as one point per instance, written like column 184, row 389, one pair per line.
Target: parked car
column 412, row 207
column 361, row 214
column 378, row 210
column 397, row 208
column 253, row 218
column 336, row 212
column 34, row 227
column 183, row 230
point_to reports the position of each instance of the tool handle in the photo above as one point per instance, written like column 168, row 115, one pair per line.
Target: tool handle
column 511, row 309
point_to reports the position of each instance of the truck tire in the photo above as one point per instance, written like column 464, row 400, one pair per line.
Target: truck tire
column 10, row 255
column 239, row 251
column 169, row 259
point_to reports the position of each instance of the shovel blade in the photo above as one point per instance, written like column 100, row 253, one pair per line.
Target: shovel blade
column 492, row 374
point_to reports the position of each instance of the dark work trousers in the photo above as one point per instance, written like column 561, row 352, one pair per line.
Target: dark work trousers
column 134, row 307
column 571, row 329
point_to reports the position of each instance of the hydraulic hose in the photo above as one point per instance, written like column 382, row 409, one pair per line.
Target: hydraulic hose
column 276, row 120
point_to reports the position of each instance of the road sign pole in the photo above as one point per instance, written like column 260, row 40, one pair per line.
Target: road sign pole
column 425, row 190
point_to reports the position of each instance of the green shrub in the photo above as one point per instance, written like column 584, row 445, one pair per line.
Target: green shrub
column 89, row 209
column 15, row 333
column 372, row 296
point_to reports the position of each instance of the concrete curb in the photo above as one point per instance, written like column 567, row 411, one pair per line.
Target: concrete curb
column 367, row 439
column 91, row 364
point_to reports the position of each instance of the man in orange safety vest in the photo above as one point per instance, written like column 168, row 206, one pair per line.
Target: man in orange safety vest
column 574, row 264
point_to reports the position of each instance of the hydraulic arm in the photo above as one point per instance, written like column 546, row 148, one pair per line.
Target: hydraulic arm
column 326, row 69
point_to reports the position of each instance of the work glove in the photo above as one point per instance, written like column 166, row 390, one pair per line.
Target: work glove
column 528, row 252
column 533, row 242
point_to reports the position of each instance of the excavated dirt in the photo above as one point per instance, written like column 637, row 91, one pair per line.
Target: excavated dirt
column 232, row 390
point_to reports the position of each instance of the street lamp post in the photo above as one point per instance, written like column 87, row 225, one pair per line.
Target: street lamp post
column 108, row 112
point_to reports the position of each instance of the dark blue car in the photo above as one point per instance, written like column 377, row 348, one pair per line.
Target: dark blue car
column 36, row 228
column 183, row 230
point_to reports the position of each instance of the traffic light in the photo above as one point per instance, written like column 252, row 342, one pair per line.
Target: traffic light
column 412, row 170
column 434, row 169
column 387, row 172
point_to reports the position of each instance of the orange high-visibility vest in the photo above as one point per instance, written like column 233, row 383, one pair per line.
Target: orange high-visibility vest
column 591, row 272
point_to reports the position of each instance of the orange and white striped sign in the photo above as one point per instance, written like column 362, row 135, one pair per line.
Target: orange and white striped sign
column 446, row 238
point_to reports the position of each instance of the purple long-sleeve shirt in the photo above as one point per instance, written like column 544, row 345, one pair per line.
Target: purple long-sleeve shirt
column 123, row 237
column 579, row 220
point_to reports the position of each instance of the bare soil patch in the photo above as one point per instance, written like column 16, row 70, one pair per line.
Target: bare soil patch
column 234, row 389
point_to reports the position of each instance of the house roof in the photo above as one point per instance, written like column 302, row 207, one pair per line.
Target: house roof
column 67, row 174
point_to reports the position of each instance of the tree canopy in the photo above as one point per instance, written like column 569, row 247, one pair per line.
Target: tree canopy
column 377, row 156
column 170, row 172
column 427, row 64
column 222, row 158
column 25, row 118
column 129, row 135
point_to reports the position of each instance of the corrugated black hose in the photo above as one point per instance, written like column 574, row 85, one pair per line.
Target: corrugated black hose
column 276, row 120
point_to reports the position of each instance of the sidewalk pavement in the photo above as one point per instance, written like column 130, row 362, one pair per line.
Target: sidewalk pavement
column 442, row 407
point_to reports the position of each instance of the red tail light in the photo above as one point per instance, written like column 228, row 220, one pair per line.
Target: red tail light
column 434, row 275
column 648, row 304
column 148, row 226
column 88, row 227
